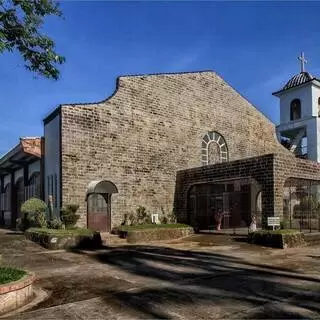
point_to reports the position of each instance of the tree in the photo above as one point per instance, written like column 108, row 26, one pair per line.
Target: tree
column 20, row 26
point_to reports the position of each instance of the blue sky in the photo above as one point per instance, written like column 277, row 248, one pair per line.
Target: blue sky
column 253, row 45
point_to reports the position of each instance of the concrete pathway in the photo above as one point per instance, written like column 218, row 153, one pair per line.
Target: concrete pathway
column 200, row 277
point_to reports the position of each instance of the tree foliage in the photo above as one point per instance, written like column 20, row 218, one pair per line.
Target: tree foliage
column 20, row 29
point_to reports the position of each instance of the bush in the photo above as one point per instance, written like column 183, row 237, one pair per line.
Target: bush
column 142, row 215
column 125, row 221
column 132, row 220
column 68, row 215
column 172, row 217
column 169, row 217
column 10, row 274
column 33, row 211
column 55, row 224
column 164, row 220
column 34, row 205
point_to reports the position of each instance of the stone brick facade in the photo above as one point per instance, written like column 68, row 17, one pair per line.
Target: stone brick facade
column 261, row 169
column 269, row 171
column 152, row 127
column 285, row 168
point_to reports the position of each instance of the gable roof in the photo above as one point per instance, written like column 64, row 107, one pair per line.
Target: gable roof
column 28, row 149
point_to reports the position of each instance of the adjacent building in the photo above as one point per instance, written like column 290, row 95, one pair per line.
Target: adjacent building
column 21, row 176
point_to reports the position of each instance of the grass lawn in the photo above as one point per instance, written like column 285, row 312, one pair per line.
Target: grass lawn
column 152, row 226
column 10, row 274
column 62, row 232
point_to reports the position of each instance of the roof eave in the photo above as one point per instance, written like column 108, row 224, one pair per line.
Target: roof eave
column 11, row 153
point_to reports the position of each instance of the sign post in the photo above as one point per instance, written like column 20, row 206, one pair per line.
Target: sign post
column 273, row 222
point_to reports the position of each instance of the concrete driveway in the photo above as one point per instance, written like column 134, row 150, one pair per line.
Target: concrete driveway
column 200, row 277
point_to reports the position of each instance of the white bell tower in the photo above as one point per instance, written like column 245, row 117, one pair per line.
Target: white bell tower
column 299, row 124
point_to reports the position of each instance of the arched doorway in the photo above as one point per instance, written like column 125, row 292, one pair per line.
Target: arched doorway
column 99, row 205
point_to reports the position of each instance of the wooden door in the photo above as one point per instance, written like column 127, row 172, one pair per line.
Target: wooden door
column 99, row 212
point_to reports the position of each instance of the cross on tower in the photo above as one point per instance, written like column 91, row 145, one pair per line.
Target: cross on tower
column 303, row 61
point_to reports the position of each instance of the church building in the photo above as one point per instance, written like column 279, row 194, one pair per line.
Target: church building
column 186, row 143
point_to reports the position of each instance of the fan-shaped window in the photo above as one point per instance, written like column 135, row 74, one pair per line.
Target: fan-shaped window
column 214, row 148
column 295, row 109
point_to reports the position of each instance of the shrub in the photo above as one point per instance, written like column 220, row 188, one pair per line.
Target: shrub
column 68, row 215
column 169, row 217
column 147, row 219
column 40, row 219
column 72, row 208
column 141, row 214
column 55, row 224
column 33, row 211
column 125, row 221
column 10, row 274
column 164, row 220
column 172, row 217
column 132, row 220
column 34, row 205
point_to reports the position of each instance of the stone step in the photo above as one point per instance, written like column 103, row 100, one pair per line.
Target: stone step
column 312, row 238
column 109, row 239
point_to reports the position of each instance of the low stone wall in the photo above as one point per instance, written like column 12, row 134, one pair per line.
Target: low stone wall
column 54, row 242
column 16, row 294
column 277, row 240
column 146, row 235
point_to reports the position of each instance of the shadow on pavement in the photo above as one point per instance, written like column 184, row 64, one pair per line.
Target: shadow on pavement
column 195, row 283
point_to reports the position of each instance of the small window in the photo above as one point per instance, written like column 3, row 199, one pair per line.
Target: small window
column 318, row 107
column 295, row 110
column 33, row 190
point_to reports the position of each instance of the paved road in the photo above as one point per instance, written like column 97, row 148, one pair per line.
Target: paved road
column 201, row 277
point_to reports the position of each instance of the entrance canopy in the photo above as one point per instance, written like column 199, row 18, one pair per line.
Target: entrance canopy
column 101, row 186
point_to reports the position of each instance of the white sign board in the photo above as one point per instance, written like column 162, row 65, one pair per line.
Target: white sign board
column 155, row 218
column 273, row 221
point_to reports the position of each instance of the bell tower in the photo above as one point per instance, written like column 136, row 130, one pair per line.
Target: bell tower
column 299, row 127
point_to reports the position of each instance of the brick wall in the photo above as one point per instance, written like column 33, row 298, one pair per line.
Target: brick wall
column 259, row 169
column 148, row 130
column 286, row 168
column 269, row 171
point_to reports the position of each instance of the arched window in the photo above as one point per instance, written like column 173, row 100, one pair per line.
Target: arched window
column 295, row 109
column 6, row 198
column 214, row 148
column 34, row 186
column 19, row 189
